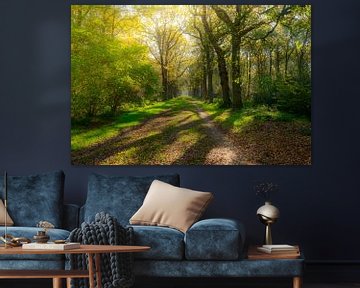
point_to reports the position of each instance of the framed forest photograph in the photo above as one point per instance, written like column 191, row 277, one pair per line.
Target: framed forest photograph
column 191, row 84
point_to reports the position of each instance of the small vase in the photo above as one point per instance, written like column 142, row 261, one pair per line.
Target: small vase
column 41, row 237
column 269, row 211
column 268, row 214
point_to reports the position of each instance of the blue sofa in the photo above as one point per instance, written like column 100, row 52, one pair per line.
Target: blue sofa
column 210, row 248
column 32, row 199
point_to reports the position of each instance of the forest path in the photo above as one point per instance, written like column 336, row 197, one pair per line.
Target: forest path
column 225, row 151
column 181, row 135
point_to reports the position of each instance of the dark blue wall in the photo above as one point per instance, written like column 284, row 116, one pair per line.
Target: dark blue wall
column 318, row 203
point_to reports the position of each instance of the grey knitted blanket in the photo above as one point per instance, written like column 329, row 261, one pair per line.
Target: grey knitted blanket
column 116, row 268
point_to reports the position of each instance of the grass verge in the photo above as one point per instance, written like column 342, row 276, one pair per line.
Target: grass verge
column 101, row 129
column 238, row 120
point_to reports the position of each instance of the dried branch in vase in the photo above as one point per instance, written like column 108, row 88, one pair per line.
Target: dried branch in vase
column 265, row 189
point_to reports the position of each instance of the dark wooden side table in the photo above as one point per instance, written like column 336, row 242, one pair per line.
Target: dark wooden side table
column 93, row 251
column 254, row 254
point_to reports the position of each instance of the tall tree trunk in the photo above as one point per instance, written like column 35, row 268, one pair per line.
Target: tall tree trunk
column 223, row 73
column 209, row 73
column 207, row 53
column 210, row 84
column 288, row 53
column 165, row 84
column 277, row 62
column 236, row 73
column 300, row 65
column 286, row 64
column 249, row 76
column 301, row 56
column 224, row 79
column 270, row 63
column 204, row 78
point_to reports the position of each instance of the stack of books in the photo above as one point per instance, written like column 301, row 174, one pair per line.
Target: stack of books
column 273, row 252
column 278, row 249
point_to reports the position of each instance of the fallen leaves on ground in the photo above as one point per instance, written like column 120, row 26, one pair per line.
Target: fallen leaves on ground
column 276, row 143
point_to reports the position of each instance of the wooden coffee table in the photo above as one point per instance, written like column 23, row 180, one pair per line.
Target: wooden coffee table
column 92, row 251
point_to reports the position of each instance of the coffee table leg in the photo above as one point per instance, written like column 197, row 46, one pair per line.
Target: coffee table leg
column 98, row 270
column 91, row 270
column 297, row 282
column 57, row 283
column 68, row 282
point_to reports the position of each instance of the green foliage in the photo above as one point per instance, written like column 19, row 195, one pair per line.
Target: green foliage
column 265, row 92
column 119, row 60
column 107, row 72
column 290, row 95
column 294, row 97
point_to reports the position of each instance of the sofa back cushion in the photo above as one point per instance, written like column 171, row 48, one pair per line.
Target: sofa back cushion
column 120, row 196
column 35, row 198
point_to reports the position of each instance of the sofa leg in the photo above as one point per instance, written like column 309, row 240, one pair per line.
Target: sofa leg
column 297, row 282
column 57, row 283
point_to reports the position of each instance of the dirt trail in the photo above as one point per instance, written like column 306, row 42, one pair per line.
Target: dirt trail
column 225, row 151
column 183, row 137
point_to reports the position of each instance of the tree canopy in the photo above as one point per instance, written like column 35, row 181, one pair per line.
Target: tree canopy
column 236, row 55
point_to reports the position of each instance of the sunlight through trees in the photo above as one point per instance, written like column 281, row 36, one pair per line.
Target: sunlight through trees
column 132, row 55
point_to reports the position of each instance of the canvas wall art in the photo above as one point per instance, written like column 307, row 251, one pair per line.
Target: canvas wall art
column 191, row 85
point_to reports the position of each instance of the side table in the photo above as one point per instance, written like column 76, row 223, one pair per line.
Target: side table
column 93, row 251
column 288, row 259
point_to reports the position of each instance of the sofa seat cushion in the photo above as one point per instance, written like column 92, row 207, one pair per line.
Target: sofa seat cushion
column 214, row 239
column 29, row 232
column 120, row 196
column 166, row 243
column 35, row 198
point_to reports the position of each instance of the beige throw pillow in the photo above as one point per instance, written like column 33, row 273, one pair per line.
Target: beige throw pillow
column 170, row 206
column 9, row 221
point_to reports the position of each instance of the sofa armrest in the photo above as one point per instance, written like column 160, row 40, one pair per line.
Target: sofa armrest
column 215, row 239
column 71, row 216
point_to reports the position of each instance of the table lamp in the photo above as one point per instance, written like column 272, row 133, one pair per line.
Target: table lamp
column 268, row 214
